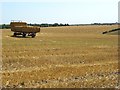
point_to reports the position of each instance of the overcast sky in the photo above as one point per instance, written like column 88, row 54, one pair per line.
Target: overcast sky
column 59, row 11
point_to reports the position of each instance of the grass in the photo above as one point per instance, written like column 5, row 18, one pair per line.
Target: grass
column 71, row 56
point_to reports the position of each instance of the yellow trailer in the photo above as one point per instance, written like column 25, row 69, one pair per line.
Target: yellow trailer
column 21, row 28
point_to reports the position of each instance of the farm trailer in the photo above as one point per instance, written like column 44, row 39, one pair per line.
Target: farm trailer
column 21, row 28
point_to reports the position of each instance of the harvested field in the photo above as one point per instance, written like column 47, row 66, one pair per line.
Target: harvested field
column 62, row 57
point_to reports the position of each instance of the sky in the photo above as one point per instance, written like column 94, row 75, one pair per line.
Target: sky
column 59, row 11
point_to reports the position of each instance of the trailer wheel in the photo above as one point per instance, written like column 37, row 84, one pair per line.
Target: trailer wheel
column 14, row 34
column 33, row 35
column 24, row 34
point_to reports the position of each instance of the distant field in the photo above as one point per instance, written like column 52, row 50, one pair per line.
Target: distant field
column 67, row 57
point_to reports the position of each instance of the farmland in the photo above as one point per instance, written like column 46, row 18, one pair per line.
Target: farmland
column 62, row 57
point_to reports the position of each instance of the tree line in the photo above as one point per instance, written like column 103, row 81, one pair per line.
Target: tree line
column 48, row 25
column 7, row 26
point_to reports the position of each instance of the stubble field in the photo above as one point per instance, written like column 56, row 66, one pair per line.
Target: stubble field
column 62, row 57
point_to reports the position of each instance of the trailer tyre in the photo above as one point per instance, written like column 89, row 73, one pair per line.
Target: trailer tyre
column 14, row 34
column 24, row 34
column 33, row 35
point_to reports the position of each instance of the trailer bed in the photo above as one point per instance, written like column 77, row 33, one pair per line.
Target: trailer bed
column 26, row 29
column 21, row 28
